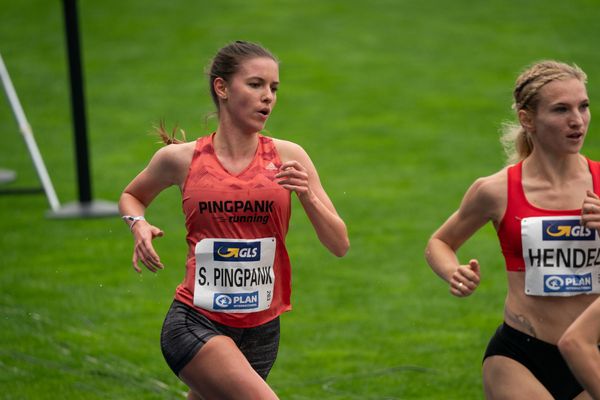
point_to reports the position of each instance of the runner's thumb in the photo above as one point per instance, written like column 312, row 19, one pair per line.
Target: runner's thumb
column 157, row 232
column 474, row 266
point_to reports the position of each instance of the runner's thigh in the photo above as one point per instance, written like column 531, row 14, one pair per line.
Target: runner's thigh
column 220, row 371
column 506, row 379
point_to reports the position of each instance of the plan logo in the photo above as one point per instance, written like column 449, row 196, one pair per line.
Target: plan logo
column 235, row 301
column 236, row 251
column 567, row 283
column 566, row 229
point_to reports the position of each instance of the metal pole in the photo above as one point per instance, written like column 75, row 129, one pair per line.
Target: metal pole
column 77, row 101
column 25, row 129
column 85, row 207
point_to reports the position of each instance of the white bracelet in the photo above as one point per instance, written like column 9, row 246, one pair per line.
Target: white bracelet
column 133, row 219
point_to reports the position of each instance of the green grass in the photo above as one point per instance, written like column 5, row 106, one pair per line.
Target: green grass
column 397, row 102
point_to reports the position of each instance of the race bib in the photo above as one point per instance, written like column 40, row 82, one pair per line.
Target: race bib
column 234, row 275
column 562, row 257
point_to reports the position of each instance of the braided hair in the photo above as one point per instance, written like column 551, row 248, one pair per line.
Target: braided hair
column 515, row 139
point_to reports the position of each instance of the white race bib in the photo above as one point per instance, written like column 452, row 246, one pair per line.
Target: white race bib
column 562, row 257
column 234, row 275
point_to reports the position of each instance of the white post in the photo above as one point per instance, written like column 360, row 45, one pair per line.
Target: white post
column 28, row 136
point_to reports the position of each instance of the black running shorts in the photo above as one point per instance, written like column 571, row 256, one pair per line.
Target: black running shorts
column 185, row 331
column 541, row 358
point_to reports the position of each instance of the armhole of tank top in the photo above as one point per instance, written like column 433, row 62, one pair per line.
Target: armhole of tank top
column 194, row 156
column 510, row 190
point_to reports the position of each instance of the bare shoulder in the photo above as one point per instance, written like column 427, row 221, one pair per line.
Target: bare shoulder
column 172, row 161
column 491, row 186
column 489, row 195
column 175, row 153
column 289, row 150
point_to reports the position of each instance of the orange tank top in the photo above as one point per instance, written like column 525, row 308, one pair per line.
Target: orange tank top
column 228, row 218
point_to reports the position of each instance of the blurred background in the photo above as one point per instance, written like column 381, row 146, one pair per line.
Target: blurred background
column 398, row 103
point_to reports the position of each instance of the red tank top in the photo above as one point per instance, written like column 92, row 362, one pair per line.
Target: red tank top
column 517, row 208
column 249, row 205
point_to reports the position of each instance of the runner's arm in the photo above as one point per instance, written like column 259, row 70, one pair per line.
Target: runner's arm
column 161, row 172
column 440, row 253
column 298, row 174
column 579, row 347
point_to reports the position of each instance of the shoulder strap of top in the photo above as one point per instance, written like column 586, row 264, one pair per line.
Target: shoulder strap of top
column 514, row 182
column 595, row 170
column 268, row 150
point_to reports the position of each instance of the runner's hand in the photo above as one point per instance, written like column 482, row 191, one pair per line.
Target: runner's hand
column 143, row 251
column 294, row 177
column 590, row 211
column 465, row 279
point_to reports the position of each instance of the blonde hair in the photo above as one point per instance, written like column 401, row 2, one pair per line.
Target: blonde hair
column 515, row 139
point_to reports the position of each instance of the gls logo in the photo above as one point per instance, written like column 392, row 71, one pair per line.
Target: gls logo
column 236, row 251
column 566, row 229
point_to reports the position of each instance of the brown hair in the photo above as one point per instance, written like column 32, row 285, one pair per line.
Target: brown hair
column 224, row 65
column 515, row 139
column 228, row 60
column 169, row 138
